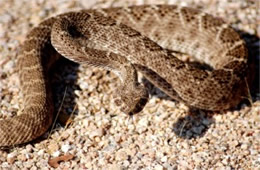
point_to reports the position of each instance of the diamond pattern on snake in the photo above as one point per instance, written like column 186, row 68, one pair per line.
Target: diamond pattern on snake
column 127, row 41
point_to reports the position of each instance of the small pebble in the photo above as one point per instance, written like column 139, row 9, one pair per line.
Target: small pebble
column 158, row 167
column 56, row 154
column 65, row 148
column 11, row 158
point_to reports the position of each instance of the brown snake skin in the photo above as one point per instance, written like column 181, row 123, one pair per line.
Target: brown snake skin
column 127, row 40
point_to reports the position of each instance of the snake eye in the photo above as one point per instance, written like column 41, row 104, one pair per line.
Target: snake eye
column 74, row 32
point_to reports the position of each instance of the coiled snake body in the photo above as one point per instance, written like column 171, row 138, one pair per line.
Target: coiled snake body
column 127, row 40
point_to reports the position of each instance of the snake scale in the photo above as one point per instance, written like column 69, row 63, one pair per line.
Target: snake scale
column 127, row 40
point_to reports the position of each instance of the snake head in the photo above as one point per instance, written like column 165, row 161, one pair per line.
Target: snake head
column 131, row 100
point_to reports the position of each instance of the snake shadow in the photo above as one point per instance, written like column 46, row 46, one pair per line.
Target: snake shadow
column 196, row 122
column 63, row 81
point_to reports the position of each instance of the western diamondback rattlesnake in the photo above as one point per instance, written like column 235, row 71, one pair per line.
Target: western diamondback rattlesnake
column 125, row 40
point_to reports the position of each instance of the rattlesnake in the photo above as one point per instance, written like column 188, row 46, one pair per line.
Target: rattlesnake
column 127, row 40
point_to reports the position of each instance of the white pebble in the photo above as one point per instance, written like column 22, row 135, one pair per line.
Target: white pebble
column 244, row 146
column 56, row 154
column 97, row 133
column 41, row 152
column 11, row 155
column 65, row 148
column 158, row 167
column 164, row 159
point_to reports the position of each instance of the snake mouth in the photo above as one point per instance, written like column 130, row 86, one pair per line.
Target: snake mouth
column 139, row 106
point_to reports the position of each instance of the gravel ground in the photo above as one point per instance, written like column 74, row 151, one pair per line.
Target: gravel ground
column 91, row 133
